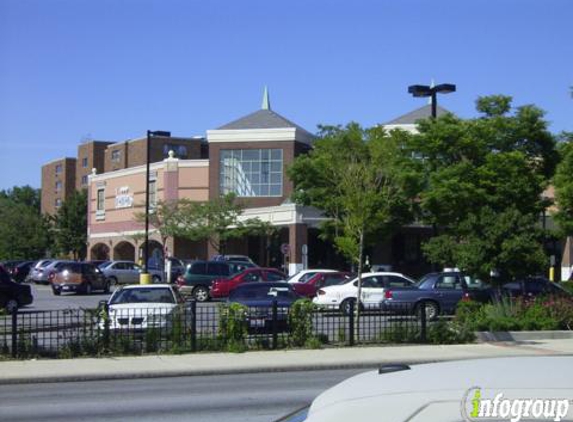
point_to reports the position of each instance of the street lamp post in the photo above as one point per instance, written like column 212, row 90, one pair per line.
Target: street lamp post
column 145, row 278
column 432, row 92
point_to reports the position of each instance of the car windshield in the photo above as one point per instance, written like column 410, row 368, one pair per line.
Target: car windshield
column 143, row 295
column 260, row 292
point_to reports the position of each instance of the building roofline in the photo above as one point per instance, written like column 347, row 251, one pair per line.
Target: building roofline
column 175, row 138
column 58, row 160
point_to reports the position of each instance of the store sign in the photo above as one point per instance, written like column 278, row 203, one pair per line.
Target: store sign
column 123, row 199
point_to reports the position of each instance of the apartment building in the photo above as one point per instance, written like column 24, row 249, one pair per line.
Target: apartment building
column 63, row 176
column 58, row 183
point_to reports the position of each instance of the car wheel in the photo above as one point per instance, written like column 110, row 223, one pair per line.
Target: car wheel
column 88, row 289
column 106, row 286
column 432, row 310
column 347, row 305
column 156, row 279
column 11, row 306
column 201, row 293
column 56, row 292
column 112, row 281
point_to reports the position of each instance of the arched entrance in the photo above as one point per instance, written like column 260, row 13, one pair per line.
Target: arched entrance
column 124, row 251
column 155, row 254
column 99, row 252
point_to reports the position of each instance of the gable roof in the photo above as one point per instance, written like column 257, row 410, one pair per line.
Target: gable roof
column 415, row 115
column 261, row 119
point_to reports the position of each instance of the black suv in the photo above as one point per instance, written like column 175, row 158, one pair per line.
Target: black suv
column 199, row 276
column 13, row 295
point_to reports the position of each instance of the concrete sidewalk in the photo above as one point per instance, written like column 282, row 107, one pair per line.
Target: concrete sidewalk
column 31, row 371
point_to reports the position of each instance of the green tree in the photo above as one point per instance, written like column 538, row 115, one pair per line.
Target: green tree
column 164, row 217
column 483, row 183
column 216, row 221
column 360, row 178
column 563, row 183
column 24, row 232
column 71, row 225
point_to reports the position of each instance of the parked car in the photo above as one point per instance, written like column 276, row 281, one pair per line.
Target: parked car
column 310, row 286
column 449, row 391
column 222, row 286
column 139, row 307
column 78, row 277
column 11, row 264
column 236, row 258
column 199, row 276
column 37, row 272
column 305, row 275
column 98, row 262
column 177, row 269
column 127, row 272
column 259, row 298
column 373, row 287
column 13, row 295
column 533, row 287
column 437, row 293
column 22, row 270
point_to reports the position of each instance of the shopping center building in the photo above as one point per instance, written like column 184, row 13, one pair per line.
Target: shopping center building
column 248, row 156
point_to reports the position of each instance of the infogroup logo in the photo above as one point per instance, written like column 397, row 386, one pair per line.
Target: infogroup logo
column 480, row 404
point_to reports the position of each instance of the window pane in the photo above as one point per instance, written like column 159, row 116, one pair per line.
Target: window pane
column 249, row 173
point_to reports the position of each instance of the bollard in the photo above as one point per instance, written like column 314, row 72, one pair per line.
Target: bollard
column 193, row 311
column 351, row 325
column 14, row 333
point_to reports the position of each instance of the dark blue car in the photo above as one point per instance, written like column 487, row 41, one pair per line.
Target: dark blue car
column 259, row 298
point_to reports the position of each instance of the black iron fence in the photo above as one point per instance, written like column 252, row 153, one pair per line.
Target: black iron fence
column 197, row 327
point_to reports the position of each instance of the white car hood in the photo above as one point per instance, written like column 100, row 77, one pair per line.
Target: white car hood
column 434, row 392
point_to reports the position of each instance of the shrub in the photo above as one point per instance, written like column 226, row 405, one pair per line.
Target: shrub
column 400, row 333
column 300, row 322
column 444, row 332
column 233, row 328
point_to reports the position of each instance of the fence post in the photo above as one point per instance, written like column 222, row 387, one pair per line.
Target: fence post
column 423, row 322
column 14, row 333
column 275, row 324
column 351, row 324
column 193, row 325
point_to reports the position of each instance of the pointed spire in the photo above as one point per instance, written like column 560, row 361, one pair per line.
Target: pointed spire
column 266, row 101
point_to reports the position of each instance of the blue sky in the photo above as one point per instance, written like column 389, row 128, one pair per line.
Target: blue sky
column 111, row 69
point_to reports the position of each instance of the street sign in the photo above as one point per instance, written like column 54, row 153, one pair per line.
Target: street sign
column 285, row 248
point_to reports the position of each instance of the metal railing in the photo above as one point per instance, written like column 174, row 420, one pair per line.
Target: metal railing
column 194, row 327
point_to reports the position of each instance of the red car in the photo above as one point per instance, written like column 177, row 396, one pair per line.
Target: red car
column 311, row 286
column 222, row 286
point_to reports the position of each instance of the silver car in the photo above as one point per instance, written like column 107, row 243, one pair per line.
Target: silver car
column 127, row 272
column 40, row 274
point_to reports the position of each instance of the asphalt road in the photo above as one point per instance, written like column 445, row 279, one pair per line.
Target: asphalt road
column 246, row 397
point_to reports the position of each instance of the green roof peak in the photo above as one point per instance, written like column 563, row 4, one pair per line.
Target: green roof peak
column 266, row 101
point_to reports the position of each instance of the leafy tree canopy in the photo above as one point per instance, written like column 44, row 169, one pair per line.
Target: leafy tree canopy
column 70, row 225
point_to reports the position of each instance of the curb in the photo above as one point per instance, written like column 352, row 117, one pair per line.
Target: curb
column 211, row 372
column 520, row 336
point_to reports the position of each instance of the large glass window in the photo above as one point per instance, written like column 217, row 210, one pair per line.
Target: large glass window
column 251, row 172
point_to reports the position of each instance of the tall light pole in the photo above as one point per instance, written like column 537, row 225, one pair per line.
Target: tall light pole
column 145, row 278
column 432, row 92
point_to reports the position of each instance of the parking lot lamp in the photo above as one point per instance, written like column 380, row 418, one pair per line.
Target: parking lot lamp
column 432, row 92
column 145, row 278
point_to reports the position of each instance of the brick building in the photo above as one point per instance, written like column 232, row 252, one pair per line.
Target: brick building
column 58, row 183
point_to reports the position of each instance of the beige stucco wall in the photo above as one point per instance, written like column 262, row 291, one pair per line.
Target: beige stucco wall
column 135, row 183
column 194, row 183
